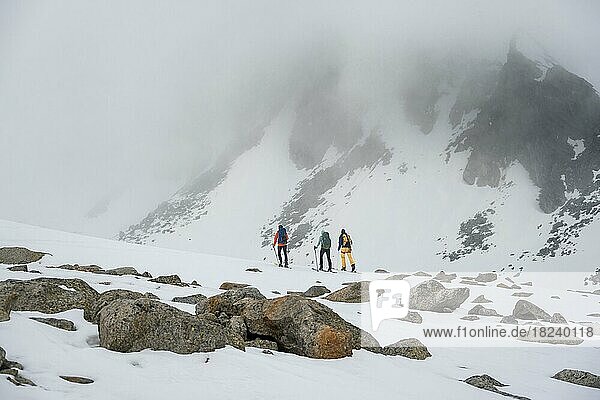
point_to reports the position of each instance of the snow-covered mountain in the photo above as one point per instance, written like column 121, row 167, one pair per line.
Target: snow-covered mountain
column 474, row 164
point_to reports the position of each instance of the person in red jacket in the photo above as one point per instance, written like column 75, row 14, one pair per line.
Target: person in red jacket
column 281, row 239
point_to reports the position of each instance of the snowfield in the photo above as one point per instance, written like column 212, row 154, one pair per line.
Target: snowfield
column 47, row 352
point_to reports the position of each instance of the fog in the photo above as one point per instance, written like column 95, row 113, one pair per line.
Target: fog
column 128, row 100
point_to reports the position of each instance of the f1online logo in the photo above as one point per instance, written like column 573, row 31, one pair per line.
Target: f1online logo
column 388, row 300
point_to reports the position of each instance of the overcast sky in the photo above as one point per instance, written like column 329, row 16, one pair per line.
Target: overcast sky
column 98, row 98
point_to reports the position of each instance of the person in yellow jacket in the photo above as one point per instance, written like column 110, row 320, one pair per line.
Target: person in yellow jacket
column 345, row 249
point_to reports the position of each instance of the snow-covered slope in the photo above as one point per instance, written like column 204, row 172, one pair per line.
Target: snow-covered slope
column 47, row 352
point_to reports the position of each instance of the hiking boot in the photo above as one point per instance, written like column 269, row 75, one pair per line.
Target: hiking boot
column 353, row 268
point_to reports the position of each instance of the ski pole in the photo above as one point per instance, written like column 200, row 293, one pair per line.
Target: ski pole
column 276, row 256
column 316, row 262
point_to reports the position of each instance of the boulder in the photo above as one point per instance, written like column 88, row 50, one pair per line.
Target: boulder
column 409, row 348
column 304, row 327
column 529, row 311
column 18, row 268
column 503, row 285
column 77, row 379
column 486, row 382
column 486, row 277
column 577, row 377
column 443, row 277
column 481, row 299
column 232, row 285
column 226, row 302
column 191, row 299
column 81, row 268
column 421, row 273
column 91, row 313
column 238, row 326
column 355, row 292
column 412, row 317
column 470, row 318
column 120, row 271
column 19, row 255
column 253, row 270
column 484, row 312
column 174, row 280
column 316, row 291
column 59, row 323
column 381, row 271
column 557, row 318
column 2, row 357
column 397, row 277
column 433, row 296
column 132, row 325
column 46, row 295
column 522, row 294
column 509, row 319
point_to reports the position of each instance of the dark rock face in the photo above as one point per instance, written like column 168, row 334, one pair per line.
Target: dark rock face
column 473, row 234
column 304, row 327
column 356, row 292
column 133, row 325
column 91, row 313
column 19, row 255
column 192, row 299
column 577, row 377
column 59, row 323
column 46, row 295
column 529, row 311
column 433, row 296
column 409, row 348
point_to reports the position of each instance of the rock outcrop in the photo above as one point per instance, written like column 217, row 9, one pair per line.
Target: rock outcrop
column 409, row 348
column 433, row 296
column 90, row 314
column 19, row 255
column 355, row 292
column 316, row 291
column 581, row 378
column 484, row 312
column 529, row 311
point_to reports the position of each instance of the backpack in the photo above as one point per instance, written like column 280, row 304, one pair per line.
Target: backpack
column 282, row 236
column 325, row 241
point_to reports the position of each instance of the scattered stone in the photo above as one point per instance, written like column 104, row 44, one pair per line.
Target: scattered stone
column 581, row 378
column 80, row 268
column 557, row 318
column 486, row 277
column 443, row 277
column 433, row 296
column 413, row 317
column 529, row 311
column 275, row 292
column 253, row 270
column 381, row 271
column 473, row 283
column 9, row 371
column 481, row 299
column 294, row 293
column 509, row 319
column 594, row 315
column 470, row 318
column 409, row 348
column 18, row 268
column 169, row 280
column 106, row 283
column 522, row 294
column 19, row 255
column 356, row 292
column 398, row 277
column 34, row 271
column 59, row 323
column 555, row 297
column 505, row 286
column 267, row 352
column 316, row 291
column 484, row 312
column 2, row 356
column 133, row 325
column 527, row 284
column 232, row 285
column 191, row 299
column 421, row 273
column 77, row 379
column 20, row 381
column 195, row 283
column 45, row 295
column 120, row 271
column 262, row 344
column 91, row 313
column 486, row 382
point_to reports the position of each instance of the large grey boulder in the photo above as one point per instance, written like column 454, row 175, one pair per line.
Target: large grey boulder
column 355, row 292
column 433, row 296
column 133, row 325
column 46, row 295
column 529, row 311
column 581, row 378
column 481, row 300
column 304, row 327
column 409, row 348
column 19, row 255
column 232, row 285
column 226, row 302
column 91, row 313
column 486, row 277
